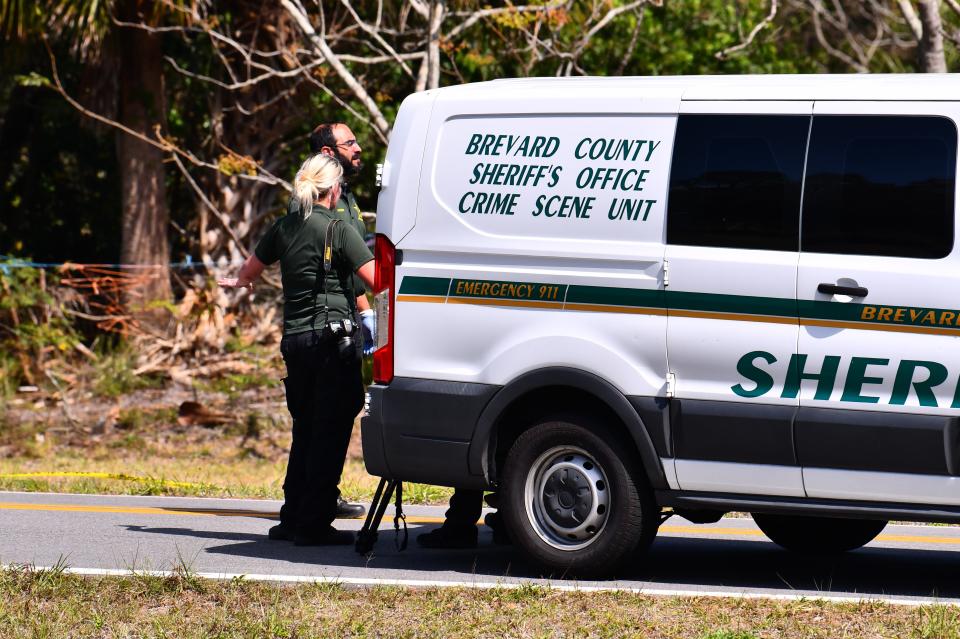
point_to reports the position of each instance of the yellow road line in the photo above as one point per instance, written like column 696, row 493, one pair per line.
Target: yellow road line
column 232, row 512
column 700, row 530
column 919, row 539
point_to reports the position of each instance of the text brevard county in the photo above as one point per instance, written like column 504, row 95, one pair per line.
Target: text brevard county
column 616, row 165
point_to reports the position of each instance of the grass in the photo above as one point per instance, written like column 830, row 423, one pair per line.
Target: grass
column 211, row 475
column 243, row 458
column 54, row 603
column 233, row 383
column 113, row 374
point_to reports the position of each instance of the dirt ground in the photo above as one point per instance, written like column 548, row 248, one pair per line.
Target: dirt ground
column 175, row 440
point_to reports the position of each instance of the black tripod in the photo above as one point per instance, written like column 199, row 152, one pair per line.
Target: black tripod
column 367, row 536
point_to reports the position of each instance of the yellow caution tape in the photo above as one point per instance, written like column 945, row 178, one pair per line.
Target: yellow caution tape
column 121, row 476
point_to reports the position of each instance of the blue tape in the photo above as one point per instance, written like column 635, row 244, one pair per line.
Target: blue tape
column 8, row 262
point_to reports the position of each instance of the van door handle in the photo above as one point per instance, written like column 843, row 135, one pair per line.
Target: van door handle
column 836, row 289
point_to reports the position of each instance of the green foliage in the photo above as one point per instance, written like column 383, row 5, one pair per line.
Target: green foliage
column 9, row 373
column 32, row 324
column 114, row 372
column 32, row 79
column 235, row 383
column 136, row 418
column 525, row 593
column 938, row 622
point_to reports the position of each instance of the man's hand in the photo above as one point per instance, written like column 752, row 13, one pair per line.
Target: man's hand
column 368, row 320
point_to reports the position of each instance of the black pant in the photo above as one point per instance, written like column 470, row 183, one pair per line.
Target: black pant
column 324, row 395
column 465, row 508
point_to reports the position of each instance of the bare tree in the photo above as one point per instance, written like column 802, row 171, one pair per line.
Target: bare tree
column 927, row 29
column 344, row 50
column 868, row 34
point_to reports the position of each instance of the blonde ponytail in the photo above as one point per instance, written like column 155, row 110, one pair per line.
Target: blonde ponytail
column 317, row 175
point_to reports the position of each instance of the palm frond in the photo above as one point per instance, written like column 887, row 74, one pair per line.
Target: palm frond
column 82, row 23
column 19, row 19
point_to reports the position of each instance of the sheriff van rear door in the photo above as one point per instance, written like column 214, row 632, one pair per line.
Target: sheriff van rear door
column 879, row 352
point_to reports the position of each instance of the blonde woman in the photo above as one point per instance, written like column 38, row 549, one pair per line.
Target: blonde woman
column 320, row 346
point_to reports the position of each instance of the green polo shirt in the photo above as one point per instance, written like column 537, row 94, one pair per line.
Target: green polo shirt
column 346, row 210
column 298, row 245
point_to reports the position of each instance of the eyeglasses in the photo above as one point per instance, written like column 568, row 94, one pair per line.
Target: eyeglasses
column 348, row 143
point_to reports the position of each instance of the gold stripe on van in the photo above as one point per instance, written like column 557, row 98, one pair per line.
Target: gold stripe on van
column 429, row 299
column 610, row 308
column 489, row 301
column 736, row 317
column 894, row 328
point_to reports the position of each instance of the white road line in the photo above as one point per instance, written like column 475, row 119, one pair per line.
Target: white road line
column 490, row 585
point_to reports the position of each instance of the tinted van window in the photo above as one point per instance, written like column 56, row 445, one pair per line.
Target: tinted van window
column 735, row 181
column 880, row 185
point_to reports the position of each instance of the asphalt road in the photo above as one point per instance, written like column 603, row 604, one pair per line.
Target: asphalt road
column 219, row 537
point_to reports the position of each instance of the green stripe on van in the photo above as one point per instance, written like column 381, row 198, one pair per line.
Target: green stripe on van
column 873, row 314
column 633, row 297
column 741, row 304
column 416, row 285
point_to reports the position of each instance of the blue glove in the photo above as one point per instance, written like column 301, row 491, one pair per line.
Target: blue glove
column 368, row 320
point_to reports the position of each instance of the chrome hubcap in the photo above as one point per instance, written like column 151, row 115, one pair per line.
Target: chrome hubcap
column 567, row 498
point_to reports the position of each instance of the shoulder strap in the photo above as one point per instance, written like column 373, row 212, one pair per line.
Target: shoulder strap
column 326, row 263
column 326, row 259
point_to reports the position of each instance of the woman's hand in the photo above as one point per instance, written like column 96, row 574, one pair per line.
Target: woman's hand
column 234, row 282
column 250, row 271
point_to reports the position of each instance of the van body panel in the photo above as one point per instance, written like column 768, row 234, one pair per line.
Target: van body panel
column 878, row 441
column 581, row 227
column 399, row 187
column 538, row 220
column 831, row 483
column 424, row 428
column 726, row 477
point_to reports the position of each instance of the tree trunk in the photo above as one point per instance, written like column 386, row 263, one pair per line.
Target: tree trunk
column 437, row 12
column 146, row 218
column 932, row 58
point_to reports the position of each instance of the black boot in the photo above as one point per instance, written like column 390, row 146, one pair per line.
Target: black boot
column 281, row 532
column 495, row 522
column 347, row 510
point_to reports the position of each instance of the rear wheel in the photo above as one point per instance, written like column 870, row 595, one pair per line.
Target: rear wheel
column 818, row 535
column 573, row 504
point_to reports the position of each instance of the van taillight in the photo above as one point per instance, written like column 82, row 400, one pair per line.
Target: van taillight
column 383, row 296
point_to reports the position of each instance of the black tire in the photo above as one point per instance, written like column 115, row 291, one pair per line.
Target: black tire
column 818, row 535
column 575, row 461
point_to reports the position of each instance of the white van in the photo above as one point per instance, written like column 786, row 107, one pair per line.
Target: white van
column 613, row 298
